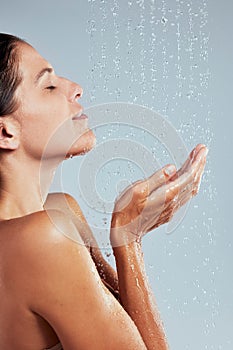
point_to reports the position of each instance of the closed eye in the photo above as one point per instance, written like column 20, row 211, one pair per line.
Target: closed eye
column 51, row 87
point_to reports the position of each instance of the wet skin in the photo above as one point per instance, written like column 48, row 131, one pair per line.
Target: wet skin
column 51, row 288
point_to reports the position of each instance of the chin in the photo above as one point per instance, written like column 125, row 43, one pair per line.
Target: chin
column 84, row 144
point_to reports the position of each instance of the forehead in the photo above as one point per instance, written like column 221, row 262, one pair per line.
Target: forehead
column 30, row 62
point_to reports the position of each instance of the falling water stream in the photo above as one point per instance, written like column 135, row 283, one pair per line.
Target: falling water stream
column 132, row 56
column 155, row 54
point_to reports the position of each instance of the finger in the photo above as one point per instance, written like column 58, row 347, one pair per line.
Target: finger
column 166, row 216
column 200, row 169
column 164, row 194
column 160, row 177
column 185, row 198
column 160, row 222
column 197, row 182
column 195, row 154
column 190, row 190
column 192, row 173
column 157, row 208
column 198, row 165
column 187, row 195
column 189, row 161
column 184, row 183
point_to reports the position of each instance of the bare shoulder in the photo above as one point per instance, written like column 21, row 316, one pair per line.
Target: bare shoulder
column 66, row 290
column 60, row 196
column 64, row 202
column 35, row 236
column 49, row 225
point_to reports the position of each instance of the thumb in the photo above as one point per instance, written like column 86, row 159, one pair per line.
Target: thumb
column 161, row 177
column 169, row 170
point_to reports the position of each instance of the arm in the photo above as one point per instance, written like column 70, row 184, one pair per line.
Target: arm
column 69, row 206
column 137, row 297
column 142, row 207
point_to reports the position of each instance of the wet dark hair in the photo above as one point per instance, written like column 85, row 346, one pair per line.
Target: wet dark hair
column 9, row 74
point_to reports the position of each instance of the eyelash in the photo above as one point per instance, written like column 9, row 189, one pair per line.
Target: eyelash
column 51, row 88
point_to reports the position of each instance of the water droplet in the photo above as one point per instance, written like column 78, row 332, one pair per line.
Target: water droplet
column 108, row 254
column 164, row 20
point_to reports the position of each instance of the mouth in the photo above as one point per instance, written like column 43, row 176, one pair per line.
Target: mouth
column 80, row 116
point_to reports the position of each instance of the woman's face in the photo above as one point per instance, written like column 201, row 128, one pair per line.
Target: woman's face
column 47, row 107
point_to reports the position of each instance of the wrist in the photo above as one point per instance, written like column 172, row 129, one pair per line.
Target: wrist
column 123, row 231
column 122, row 236
column 118, row 219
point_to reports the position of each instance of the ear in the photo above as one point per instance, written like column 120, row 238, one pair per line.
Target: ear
column 9, row 134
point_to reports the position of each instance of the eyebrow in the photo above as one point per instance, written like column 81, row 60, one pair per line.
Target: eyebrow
column 42, row 72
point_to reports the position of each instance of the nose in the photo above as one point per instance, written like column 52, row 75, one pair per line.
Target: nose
column 75, row 92
column 71, row 90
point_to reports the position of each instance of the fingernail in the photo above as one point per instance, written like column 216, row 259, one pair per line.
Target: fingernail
column 203, row 153
column 169, row 170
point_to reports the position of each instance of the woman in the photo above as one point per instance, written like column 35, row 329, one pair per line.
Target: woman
column 54, row 292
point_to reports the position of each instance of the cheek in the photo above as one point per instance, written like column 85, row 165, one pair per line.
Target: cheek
column 38, row 116
column 44, row 106
column 42, row 126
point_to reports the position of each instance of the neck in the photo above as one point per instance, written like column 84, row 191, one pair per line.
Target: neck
column 24, row 186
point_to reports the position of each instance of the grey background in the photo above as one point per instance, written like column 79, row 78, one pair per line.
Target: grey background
column 95, row 44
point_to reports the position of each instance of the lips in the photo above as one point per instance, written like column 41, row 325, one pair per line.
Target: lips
column 80, row 116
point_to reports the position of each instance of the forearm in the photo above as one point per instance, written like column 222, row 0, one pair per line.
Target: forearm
column 136, row 295
column 106, row 272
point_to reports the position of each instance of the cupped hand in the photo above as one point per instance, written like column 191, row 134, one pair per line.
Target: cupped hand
column 152, row 202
